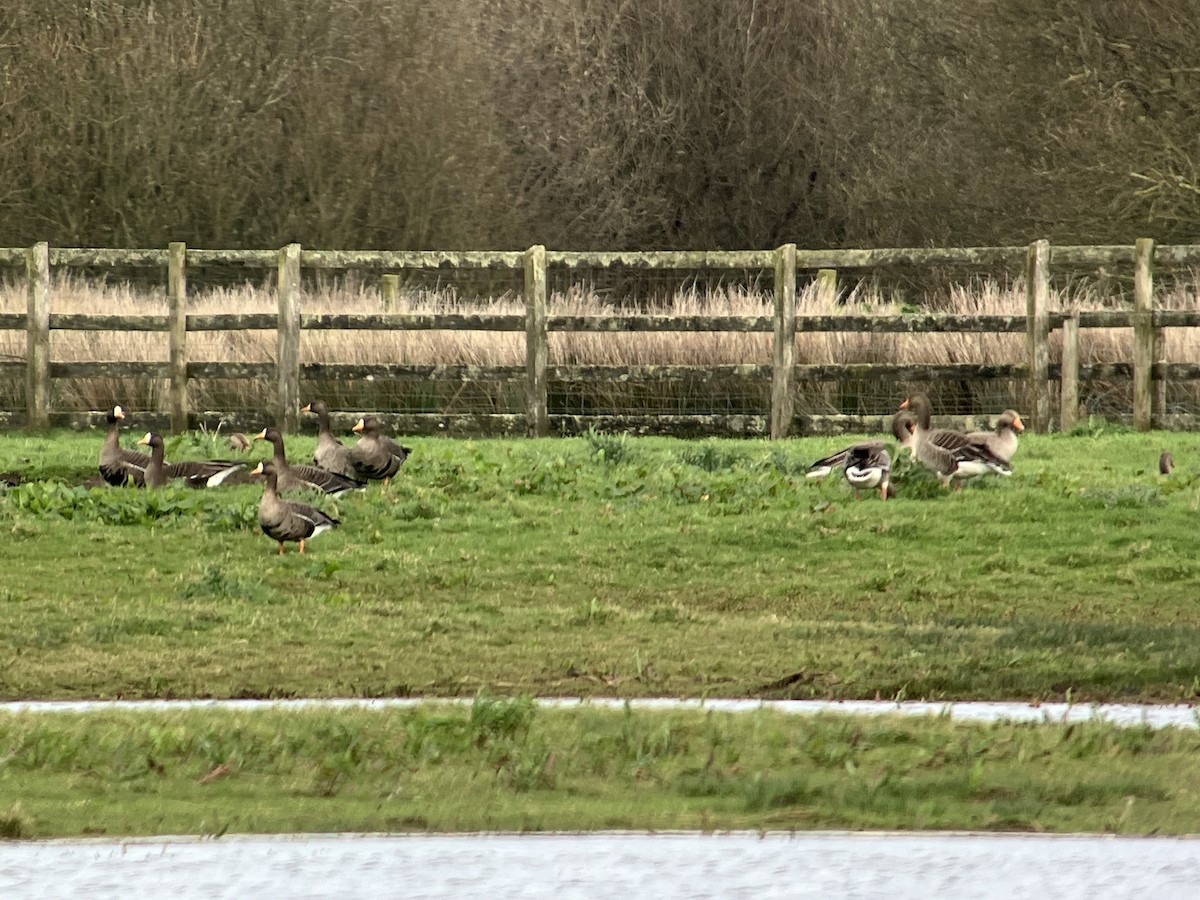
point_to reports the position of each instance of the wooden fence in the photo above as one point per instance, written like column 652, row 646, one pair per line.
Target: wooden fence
column 1148, row 371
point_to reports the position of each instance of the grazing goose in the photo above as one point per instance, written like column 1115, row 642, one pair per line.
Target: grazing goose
column 957, row 463
column 330, row 453
column 195, row 473
column 118, row 465
column 287, row 520
column 867, row 464
column 376, row 456
column 292, row 478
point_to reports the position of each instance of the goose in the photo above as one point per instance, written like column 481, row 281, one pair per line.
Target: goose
column 290, row 478
column 1000, row 442
column 867, row 464
column 118, row 465
column 287, row 520
column 330, row 453
column 376, row 456
column 957, row 463
column 195, row 473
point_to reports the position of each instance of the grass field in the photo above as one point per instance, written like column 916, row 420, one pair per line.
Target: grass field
column 609, row 566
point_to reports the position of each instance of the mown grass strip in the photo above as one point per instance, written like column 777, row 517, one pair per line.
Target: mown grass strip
column 505, row 764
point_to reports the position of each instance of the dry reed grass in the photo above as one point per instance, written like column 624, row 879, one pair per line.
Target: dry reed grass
column 980, row 297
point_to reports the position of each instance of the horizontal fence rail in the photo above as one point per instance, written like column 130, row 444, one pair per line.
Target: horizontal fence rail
column 1147, row 370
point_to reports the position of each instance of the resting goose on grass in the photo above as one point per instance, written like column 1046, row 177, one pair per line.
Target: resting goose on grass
column 866, row 464
column 286, row 520
column 291, row 478
column 376, row 456
column 330, row 453
column 196, row 474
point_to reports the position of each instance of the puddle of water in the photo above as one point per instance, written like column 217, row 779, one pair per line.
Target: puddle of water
column 1154, row 716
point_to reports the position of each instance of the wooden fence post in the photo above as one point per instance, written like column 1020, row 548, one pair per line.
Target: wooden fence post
column 1143, row 331
column 1158, row 387
column 389, row 292
column 784, row 359
column 287, row 356
column 1037, row 331
column 177, row 404
column 37, row 337
column 537, row 416
column 1068, row 414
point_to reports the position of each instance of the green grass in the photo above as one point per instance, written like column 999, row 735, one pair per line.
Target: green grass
column 614, row 566
column 502, row 764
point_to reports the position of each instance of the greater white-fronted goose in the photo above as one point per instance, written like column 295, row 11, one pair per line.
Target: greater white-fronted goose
column 118, row 465
column 195, row 473
column 948, row 454
column 376, row 456
column 286, row 520
column 291, row 478
column 867, row 464
column 1166, row 462
column 330, row 453
column 1000, row 442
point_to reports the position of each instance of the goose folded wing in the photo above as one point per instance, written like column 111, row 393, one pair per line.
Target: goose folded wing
column 321, row 480
column 978, row 458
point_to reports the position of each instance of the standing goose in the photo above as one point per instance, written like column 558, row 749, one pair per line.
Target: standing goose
column 376, row 456
column 287, row 520
column 330, row 453
column 1002, row 441
column 867, row 464
column 957, row 462
column 118, row 465
column 195, row 473
column 290, row 478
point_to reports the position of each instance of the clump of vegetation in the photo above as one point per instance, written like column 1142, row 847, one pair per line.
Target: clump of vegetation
column 15, row 825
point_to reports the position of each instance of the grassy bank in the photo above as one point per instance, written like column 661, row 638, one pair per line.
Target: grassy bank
column 614, row 566
column 505, row 765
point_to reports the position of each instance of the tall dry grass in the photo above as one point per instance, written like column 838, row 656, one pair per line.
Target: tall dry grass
column 699, row 395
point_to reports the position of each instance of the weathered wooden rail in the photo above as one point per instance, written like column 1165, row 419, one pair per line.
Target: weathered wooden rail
column 1148, row 371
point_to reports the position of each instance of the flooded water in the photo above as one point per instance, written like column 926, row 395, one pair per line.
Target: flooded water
column 1154, row 716
column 834, row 865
